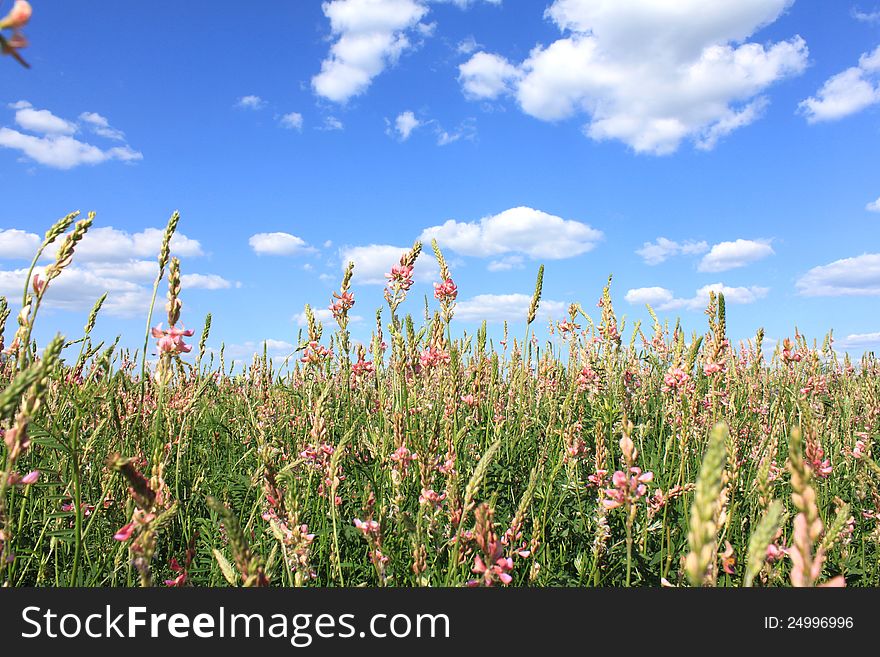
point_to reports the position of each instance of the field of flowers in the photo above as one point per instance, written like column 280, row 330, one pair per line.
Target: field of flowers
column 586, row 454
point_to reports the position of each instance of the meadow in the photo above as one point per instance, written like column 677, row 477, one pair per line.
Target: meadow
column 583, row 453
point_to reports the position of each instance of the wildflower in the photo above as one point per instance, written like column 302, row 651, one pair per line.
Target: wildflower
column 674, row 379
column 180, row 580
column 30, row 478
column 429, row 496
column 362, row 367
column 469, row 400
column 344, row 302
column 38, row 284
column 446, row 291
column 400, row 277
column 18, row 16
column 627, row 490
column 316, row 353
column 728, row 559
column 125, row 532
column 433, row 356
column 367, row 527
column 171, row 341
column 712, row 367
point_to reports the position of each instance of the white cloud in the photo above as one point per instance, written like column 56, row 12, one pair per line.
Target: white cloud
column 654, row 253
column 858, row 276
column 63, row 152
column 466, row 130
column 247, row 350
column 859, row 341
column 292, row 121
column 53, row 146
column 517, row 230
column 331, row 123
column 730, row 255
column 101, row 126
column 505, row 307
column 368, row 36
column 467, row 45
column 205, row 282
column 873, row 206
column 323, row 315
column 100, row 244
column 77, row 289
column 42, row 121
column 108, row 260
column 650, row 73
column 663, row 299
column 866, row 16
column 251, row 102
column 654, row 296
column 18, row 245
column 506, row 263
column 405, row 123
column 282, row 244
column 373, row 261
column 486, row 76
column 846, row 93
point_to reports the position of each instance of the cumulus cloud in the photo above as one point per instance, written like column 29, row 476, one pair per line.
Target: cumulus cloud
column 368, row 36
column 650, row 73
column 507, row 263
column 506, row 308
column 485, row 76
column 873, row 206
column 373, row 261
column 659, row 251
column 858, row 276
column 108, row 260
column 730, row 255
column 404, row 125
column 280, row 244
column 521, row 230
column 101, row 126
column 291, row 121
column 323, row 315
column 100, row 244
column 846, row 93
column 247, row 350
column 251, row 102
column 663, row 299
column 53, row 144
column 206, row 282
column 859, row 341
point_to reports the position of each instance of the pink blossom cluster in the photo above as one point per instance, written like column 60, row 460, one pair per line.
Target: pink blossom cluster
column 445, row 291
column 627, row 490
column 432, row 356
column 170, row 341
column 400, row 277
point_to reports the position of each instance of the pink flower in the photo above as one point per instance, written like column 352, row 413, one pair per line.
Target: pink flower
column 400, row 276
column 31, row 478
column 171, row 341
column 367, row 527
column 180, row 580
column 38, row 284
column 18, row 16
column 125, row 532
column 430, row 496
column 433, row 356
column 675, row 378
column 728, row 559
column 343, row 304
column 627, row 489
column 469, row 400
column 712, row 367
column 446, row 291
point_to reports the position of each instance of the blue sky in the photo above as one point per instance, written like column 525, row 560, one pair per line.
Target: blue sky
column 574, row 133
